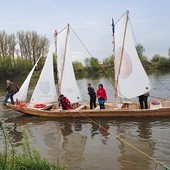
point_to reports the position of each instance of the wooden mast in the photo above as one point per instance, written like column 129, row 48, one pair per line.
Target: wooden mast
column 64, row 58
column 122, row 51
column 56, row 55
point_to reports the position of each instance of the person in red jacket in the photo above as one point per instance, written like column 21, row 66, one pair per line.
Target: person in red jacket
column 102, row 96
column 64, row 102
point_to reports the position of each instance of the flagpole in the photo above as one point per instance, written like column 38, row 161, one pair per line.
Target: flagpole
column 113, row 43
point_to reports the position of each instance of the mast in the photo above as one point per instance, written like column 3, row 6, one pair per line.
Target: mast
column 64, row 58
column 56, row 55
column 55, row 39
column 122, row 51
column 113, row 43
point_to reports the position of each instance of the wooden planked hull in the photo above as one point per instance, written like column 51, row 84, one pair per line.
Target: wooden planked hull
column 109, row 112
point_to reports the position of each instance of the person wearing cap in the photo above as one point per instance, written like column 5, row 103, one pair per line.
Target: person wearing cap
column 102, row 96
column 11, row 89
column 92, row 95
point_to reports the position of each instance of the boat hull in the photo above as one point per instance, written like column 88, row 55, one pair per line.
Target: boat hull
column 158, row 112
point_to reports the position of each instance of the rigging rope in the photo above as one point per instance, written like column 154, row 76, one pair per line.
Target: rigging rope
column 129, row 144
column 163, row 86
column 103, row 70
column 119, row 138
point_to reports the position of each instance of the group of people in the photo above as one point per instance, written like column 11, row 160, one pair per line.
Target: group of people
column 100, row 94
column 64, row 102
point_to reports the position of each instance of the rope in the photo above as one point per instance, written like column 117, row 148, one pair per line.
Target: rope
column 4, row 110
column 129, row 144
column 103, row 70
column 162, row 99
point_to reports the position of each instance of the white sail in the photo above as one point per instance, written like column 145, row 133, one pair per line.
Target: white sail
column 131, row 77
column 45, row 90
column 66, row 77
column 21, row 95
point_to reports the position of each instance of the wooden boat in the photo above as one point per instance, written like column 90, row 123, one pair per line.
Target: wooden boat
column 126, row 110
column 131, row 81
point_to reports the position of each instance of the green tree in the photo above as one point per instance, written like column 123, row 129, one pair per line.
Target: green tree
column 140, row 50
column 7, row 44
column 161, row 63
column 144, row 60
column 87, row 62
column 78, row 66
column 109, row 61
column 92, row 66
column 94, row 63
column 32, row 46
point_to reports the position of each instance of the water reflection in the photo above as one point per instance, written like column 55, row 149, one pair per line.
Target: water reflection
column 15, row 134
column 144, row 130
column 84, row 144
column 130, row 158
column 79, row 144
column 94, row 129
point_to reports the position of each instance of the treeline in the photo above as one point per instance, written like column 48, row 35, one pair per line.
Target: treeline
column 93, row 67
column 20, row 51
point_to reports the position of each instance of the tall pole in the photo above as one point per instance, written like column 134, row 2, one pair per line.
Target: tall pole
column 64, row 58
column 122, row 50
column 113, row 43
column 55, row 39
column 56, row 55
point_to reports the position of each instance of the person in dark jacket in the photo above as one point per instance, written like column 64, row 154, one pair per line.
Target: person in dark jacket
column 11, row 89
column 92, row 95
column 64, row 102
column 143, row 100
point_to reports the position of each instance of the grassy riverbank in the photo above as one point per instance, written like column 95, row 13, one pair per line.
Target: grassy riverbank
column 28, row 159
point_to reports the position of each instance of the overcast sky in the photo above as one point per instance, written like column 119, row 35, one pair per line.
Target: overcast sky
column 91, row 20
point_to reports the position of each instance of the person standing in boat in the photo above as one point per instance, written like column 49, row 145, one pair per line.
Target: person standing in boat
column 11, row 89
column 143, row 101
column 102, row 96
column 92, row 95
column 64, row 102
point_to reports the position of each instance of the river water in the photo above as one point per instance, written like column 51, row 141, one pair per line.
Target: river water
column 94, row 144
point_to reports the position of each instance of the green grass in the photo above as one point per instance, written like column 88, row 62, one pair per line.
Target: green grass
column 28, row 159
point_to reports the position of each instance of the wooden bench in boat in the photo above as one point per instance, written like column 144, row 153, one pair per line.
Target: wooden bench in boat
column 80, row 107
column 119, row 106
column 127, row 105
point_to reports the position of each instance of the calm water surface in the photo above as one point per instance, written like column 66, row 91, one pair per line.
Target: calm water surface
column 93, row 144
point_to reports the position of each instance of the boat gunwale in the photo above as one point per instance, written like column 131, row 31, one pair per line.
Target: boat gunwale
column 164, row 111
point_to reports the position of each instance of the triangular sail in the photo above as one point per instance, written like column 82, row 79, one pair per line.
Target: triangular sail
column 66, row 77
column 21, row 95
column 131, row 77
column 45, row 90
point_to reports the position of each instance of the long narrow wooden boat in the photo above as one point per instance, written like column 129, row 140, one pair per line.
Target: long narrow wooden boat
column 125, row 109
column 130, row 81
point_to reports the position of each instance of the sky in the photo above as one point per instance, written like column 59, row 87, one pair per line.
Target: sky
column 91, row 20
